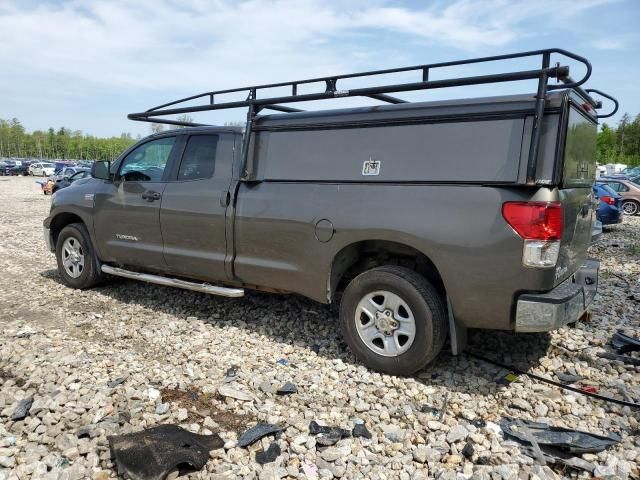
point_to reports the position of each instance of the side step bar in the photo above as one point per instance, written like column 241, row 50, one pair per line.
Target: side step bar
column 174, row 282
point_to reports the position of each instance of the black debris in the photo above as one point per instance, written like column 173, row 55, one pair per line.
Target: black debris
column 568, row 440
column 429, row 409
column 269, row 455
column 287, row 389
column 327, row 436
column 568, row 378
column 152, row 454
column 232, row 372
column 328, row 439
column 479, row 423
column 256, row 433
column 620, row 358
column 359, row 430
column 468, row 450
column 116, row 382
column 315, row 429
column 22, row 410
column 84, row 432
column 624, row 343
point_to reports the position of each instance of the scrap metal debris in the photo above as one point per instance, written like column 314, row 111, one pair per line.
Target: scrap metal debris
column 572, row 441
column 256, row 433
column 287, row 389
column 22, row 409
column 152, row 454
column 624, row 343
column 269, row 455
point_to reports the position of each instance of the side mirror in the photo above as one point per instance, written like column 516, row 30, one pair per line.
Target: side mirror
column 100, row 170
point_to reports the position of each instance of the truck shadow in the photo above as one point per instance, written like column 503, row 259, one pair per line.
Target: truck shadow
column 301, row 322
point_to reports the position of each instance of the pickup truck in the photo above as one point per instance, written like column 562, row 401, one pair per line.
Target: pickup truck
column 424, row 219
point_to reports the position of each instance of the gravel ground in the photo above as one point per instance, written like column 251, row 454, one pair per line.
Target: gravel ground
column 173, row 349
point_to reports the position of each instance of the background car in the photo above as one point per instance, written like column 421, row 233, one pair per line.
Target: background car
column 19, row 170
column 42, row 169
column 5, row 167
column 629, row 191
column 65, row 181
column 609, row 210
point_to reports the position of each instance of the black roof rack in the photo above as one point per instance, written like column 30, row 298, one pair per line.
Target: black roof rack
column 254, row 103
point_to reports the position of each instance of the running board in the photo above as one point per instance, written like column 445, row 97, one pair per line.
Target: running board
column 174, row 282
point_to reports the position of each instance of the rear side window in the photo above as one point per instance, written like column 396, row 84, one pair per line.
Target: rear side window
column 580, row 151
column 199, row 157
column 619, row 187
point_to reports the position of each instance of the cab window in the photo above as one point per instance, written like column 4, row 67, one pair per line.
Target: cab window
column 147, row 162
column 199, row 158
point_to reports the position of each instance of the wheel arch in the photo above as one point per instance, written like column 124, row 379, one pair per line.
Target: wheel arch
column 362, row 255
column 61, row 220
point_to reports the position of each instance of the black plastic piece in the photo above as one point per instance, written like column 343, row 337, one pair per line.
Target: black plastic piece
column 254, row 434
column 572, row 441
column 22, row 409
column 359, row 430
column 624, row 343
column 269, row 455
column 287, row 389
column 152, row 454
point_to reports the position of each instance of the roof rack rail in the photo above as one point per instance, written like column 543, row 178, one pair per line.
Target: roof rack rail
column 254, row 104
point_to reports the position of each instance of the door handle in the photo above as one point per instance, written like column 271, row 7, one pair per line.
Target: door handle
column 151, row 196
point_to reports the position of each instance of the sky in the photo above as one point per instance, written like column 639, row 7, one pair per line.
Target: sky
column 86, row 64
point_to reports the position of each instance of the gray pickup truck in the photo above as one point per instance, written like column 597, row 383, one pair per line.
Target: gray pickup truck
column 424, row 219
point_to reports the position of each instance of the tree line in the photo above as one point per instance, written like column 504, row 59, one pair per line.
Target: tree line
column 619, row 144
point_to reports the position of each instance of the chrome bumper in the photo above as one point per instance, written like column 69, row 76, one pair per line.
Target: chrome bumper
column 49, row 239
column 541, row 312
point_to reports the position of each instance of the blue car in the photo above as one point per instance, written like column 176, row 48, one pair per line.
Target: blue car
column 609, row 211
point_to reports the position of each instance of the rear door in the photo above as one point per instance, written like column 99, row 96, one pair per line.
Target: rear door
column 576, row 193
column 194, row 207
column 127, row 209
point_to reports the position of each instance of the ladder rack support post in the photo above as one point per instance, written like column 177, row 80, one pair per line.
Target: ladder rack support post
column 534, row 148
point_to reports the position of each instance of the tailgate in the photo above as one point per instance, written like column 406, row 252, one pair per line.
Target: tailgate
column 576, row 194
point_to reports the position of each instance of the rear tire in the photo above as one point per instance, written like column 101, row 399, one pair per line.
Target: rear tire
column 629, row 207
column 78, row 264
column 376, row 313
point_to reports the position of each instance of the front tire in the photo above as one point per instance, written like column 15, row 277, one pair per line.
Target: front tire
column 393, row 320
column 630, row 207
column 78, row 264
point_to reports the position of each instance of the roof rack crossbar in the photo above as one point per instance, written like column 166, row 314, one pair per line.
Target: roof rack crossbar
column 257, row 97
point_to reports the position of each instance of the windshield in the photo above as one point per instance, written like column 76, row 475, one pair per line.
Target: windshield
column 47, row 165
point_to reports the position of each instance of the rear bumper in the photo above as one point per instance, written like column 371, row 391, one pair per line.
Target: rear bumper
column 541, row 312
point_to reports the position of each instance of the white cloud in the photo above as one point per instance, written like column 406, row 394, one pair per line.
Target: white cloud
column 56, row 52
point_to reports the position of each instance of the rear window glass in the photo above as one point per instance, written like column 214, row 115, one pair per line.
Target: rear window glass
column 580, row 151
column 608, row 189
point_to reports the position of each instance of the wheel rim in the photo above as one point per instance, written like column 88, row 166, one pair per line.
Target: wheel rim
column 630, row 208
column 385, row 323
column 73, row 257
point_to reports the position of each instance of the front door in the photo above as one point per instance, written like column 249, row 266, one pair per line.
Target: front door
column 127, row 218
column 194, row 206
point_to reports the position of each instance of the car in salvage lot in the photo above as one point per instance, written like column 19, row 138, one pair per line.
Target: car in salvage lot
column 628, row 190
column 334, row 204
column 609, row 210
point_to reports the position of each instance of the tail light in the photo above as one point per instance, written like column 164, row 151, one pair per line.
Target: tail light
column 608, row 199
column 539, row 224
